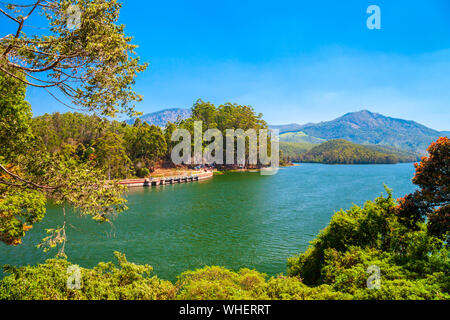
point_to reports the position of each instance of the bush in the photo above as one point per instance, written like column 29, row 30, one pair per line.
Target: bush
column 413, row 264
column 142, row 172
column 125, row 281
column 217, row 283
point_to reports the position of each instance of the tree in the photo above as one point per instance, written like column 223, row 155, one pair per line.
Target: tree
column 15, row 115
column 205, row 112
column 146, row 144
column 168, row 132
column 224, row 117
column 21, row 202
column 29, row 175
column 433, row 199
column 111, row 155
column 92, row 65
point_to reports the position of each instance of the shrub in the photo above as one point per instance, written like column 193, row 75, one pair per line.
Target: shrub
column 142, row 172
column 217, row 283
column 48, row 281
column 413, row 263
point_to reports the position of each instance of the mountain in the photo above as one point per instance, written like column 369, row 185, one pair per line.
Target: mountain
column 299, row 137
column 287, row 127
column 340, row 151
column 160, row 118
column 445, row 133
column 365, row 127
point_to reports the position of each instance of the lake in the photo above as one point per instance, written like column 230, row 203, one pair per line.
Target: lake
column 234, row 220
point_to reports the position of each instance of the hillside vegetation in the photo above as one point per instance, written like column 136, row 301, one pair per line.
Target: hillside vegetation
column 402, row 155
column 344, row 152
column 299, row 137
column 292, row 151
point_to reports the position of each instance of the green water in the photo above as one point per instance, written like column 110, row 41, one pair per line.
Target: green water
column 234, row 220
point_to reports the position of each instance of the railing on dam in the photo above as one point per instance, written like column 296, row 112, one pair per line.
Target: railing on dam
column 160, row 181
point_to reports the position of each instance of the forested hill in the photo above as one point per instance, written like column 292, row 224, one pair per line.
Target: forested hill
column 299, row 137
column 160, row 118
column 365, row 127
column 344, row 152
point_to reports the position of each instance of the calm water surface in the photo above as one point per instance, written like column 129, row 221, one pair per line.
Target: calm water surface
column 235, row 220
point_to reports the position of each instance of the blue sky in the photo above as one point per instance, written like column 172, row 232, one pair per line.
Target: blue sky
column 294, row 61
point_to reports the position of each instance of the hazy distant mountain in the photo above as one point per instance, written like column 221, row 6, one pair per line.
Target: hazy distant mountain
column 445, row 133
column 287, row 127
column 365, row 127
column 299, row 137
column 160, row 118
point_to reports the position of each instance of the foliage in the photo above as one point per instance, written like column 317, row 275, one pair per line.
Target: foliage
column 92, row 65
column 146, row 144
column 299, row 137
column 111, row 156
column 365, row 127
column 433, row 199
column 414, row 264
column 216, row 283
column 401, row 154
column 229, row 116
column 106, row 281
column 128, row 281
column 15, row 112
column 20, row 207
column 30, row 173
column 142, row 172
column 292, row 151
column 344, row 152
column 346, row 272
column 55, row 130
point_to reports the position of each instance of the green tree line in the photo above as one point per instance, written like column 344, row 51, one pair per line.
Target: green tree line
column 344, row 152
